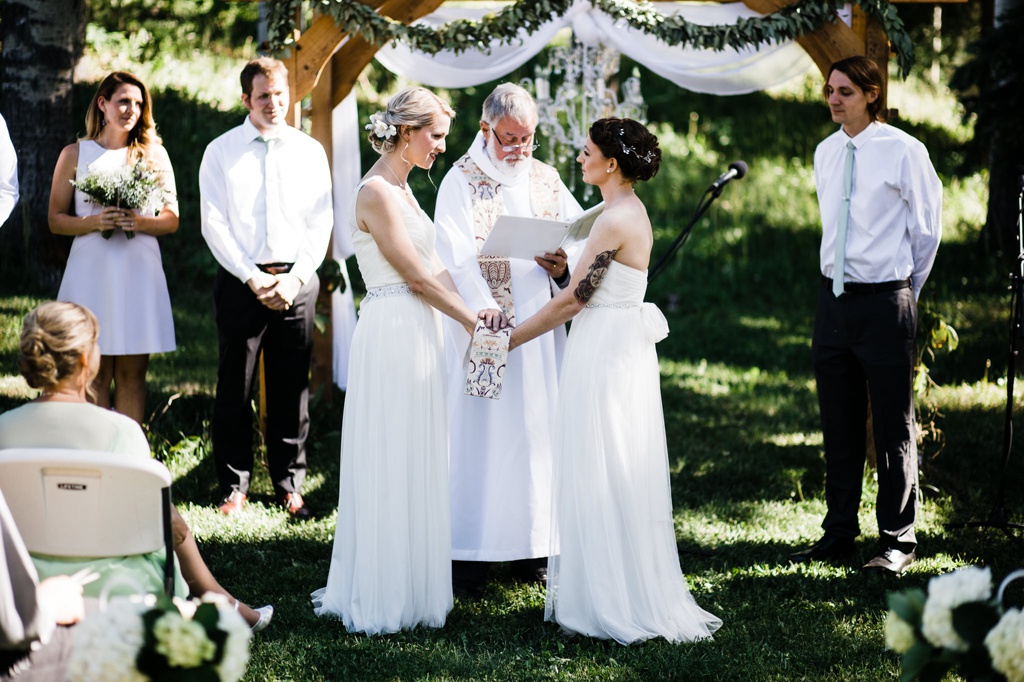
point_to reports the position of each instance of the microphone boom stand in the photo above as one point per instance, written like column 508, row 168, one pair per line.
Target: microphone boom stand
column 998, row 518
column 710, row 194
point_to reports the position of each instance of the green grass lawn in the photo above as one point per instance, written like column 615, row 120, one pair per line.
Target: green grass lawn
column 745, row 446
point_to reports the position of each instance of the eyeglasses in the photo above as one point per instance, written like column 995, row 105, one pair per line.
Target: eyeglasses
column 514, row 147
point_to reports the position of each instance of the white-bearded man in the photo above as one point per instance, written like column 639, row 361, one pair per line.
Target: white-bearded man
column 500, row 461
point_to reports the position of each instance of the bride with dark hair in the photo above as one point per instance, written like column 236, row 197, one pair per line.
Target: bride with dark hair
column 614, row 571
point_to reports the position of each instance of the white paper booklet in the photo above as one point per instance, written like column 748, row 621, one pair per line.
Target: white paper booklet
column 513, row 237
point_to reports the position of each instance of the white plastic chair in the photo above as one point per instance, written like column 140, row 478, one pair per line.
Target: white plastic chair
column 81, row 503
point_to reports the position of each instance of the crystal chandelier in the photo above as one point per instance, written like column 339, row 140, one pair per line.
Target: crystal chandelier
column 585, row 92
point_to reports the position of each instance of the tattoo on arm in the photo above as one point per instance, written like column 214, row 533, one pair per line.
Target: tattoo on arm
column 589, row 284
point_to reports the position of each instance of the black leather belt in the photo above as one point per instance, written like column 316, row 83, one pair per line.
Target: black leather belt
column 275, row 268
column 861, row 288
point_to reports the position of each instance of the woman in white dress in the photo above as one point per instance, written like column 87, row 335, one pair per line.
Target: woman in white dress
column 391, row 565
column 115, row 268
column 614, row 571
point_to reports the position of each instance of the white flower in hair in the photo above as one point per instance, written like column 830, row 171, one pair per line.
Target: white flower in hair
column 379, row 127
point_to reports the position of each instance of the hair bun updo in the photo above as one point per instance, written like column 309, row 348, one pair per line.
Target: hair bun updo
column 631, row 144
column 54, row 337
column 414, row 108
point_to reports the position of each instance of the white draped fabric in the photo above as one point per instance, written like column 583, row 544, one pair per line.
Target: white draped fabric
column 729, row 72
column 345, row 174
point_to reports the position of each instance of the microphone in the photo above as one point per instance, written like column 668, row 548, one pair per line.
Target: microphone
column 737, row 169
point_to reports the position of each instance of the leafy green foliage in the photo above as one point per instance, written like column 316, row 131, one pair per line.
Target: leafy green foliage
column 505, row 25
column 990, row 85
column 176, row 26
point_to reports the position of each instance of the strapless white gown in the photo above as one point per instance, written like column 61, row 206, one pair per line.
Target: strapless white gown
column 616, row 574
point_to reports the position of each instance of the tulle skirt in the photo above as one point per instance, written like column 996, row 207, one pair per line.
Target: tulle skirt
column 391, row 565
column 616, row 574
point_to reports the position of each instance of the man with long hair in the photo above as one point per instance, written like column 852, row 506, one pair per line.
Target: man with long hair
column 880, row 201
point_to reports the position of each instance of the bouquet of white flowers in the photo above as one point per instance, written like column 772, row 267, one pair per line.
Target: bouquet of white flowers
column 958, row 624
column 132, row 187
column 161, row 640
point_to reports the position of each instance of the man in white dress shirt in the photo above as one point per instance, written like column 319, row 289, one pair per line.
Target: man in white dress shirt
column 500, row 461
column 877, row 186
column 267, row 215
column 8, row 174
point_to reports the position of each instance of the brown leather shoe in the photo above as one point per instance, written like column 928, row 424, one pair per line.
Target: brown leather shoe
column 233, row 503
column 295, row 506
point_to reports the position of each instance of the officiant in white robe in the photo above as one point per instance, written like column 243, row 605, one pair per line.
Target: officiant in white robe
column 500, row 454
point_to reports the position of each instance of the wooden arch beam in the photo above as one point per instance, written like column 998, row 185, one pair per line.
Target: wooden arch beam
column 830, row 43
column 319, row 44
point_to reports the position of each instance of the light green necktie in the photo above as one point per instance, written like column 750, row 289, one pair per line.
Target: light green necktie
column 272, row 195
column 839, row 264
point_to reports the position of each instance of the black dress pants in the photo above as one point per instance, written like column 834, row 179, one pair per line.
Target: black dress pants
column 863, row 346
column 244, row 328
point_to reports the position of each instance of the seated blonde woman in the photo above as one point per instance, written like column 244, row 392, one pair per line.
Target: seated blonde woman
column 60, row 356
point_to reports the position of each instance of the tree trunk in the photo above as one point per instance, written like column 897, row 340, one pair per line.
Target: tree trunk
column 42, row 43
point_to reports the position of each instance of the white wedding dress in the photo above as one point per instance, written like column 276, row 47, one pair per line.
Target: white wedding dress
column 391, row 566
column 616, row 574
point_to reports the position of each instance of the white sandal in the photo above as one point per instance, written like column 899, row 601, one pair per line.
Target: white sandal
column 266, row 613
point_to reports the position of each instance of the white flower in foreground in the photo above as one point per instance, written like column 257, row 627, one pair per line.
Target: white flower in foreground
column 945, row 593
column 186, row 607
column 106, row 644
column 183, row 642
column 236, row 647
column 899, row 634
column 1005, row 644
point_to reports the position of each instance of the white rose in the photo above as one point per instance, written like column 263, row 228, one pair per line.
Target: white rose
column 236, row 647
column 105, row 645
column 1005, row 644
column 945, row 593
column 182, row 642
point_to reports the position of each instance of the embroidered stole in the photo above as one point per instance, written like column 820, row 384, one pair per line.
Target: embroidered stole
column 489, row 350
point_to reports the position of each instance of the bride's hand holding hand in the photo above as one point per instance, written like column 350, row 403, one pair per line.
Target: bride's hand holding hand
column 493, row 318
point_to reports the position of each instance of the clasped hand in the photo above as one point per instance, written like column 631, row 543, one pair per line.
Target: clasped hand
column 277, row 292
column 493, row 318
column 111, row 218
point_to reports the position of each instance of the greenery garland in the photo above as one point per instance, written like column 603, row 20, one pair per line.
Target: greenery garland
column 788, row 23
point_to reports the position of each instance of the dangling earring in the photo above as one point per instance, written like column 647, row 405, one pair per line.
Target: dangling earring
column 402, row 155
